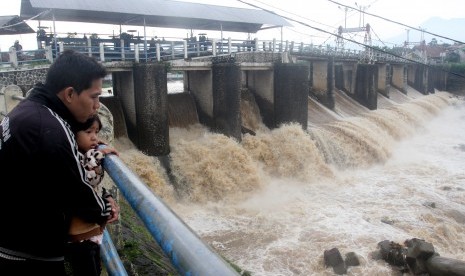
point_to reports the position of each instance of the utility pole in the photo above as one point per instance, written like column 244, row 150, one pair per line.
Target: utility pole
column 362, row 28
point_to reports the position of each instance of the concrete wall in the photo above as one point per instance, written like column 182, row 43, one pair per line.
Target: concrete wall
column 384, row 78
column 260, row 83
column 199, row 84
column 399, row 77
column 123, row 89
column 320, row 76
column 322, row 81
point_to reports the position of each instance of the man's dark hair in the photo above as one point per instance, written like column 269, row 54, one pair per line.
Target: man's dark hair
column 73, row 69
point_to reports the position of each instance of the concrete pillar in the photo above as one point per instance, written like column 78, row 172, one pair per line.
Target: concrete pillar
column 429, row 80
column 339, row 77
column 330, row 102
column 399, row 77
column 419, row 78
column 226, row 87
column 348, row 69
column 439, row 77
column 365, row 86
column 151, row 101
column 384, row 78
column 291, row 93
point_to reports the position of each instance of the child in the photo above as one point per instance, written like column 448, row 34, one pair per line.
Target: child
column 84, row 238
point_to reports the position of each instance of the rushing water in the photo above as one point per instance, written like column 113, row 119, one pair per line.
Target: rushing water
column 274, row 202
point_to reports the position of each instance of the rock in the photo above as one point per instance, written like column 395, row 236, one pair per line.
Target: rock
column 419, row 249
column 392, row 253
column 440, row 266
column 333, row 258
column 352, row 259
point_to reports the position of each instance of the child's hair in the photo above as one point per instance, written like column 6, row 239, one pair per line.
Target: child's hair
column 88, row 123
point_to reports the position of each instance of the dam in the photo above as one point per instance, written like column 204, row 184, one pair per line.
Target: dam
column 275, row 200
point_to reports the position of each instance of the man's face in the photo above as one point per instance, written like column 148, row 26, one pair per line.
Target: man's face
column 84, row 105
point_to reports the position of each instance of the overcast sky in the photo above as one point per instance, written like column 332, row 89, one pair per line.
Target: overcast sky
column 322, row 14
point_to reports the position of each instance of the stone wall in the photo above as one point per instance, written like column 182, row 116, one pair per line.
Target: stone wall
column 25, row 79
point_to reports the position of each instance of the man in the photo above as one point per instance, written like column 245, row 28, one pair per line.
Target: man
column 43, row 181
column 19, row 49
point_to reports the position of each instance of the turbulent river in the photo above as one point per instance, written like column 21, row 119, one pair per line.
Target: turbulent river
column 274, row 202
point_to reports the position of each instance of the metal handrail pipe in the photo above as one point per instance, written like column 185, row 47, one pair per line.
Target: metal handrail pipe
column 187, row 252
column 110, row 257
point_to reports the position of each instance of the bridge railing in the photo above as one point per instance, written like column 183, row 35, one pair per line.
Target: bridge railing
column 107, row 50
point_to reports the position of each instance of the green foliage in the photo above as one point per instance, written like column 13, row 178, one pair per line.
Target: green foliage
column 457, row 67
column 452, row 57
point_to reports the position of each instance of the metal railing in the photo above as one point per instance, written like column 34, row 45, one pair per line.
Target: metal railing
column 187, row 252
column 110, row 257
column 107, row 50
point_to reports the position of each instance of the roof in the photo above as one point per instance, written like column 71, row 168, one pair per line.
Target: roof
column 12, row 25
column 153, row 13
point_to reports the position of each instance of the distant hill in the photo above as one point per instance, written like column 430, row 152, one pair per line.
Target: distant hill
column 450, row 28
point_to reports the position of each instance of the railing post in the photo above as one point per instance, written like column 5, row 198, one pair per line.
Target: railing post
column 89, row 46
column 301, row 47
column 102, row 52
column 287, row 46
column 214, row 47
column 291, row 48
column 274, row 45
column 49, row 53
column 61, row 46
column 13, row 57
column 255, row 46
column 136, row 53
column 185, row 48
column 229, row 45
column 123, row 56
column 158, row 51
column 172, row 49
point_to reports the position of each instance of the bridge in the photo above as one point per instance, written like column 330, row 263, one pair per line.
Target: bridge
column 280, row 76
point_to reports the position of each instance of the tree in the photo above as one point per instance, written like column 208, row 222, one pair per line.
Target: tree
column 452, row 57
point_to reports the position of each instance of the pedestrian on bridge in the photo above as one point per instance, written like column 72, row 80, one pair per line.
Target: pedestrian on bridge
column 36, row 136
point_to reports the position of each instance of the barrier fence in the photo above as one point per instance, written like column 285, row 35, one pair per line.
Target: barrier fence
column 108, row 50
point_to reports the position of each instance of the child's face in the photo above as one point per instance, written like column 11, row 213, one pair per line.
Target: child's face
column 88, row 139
